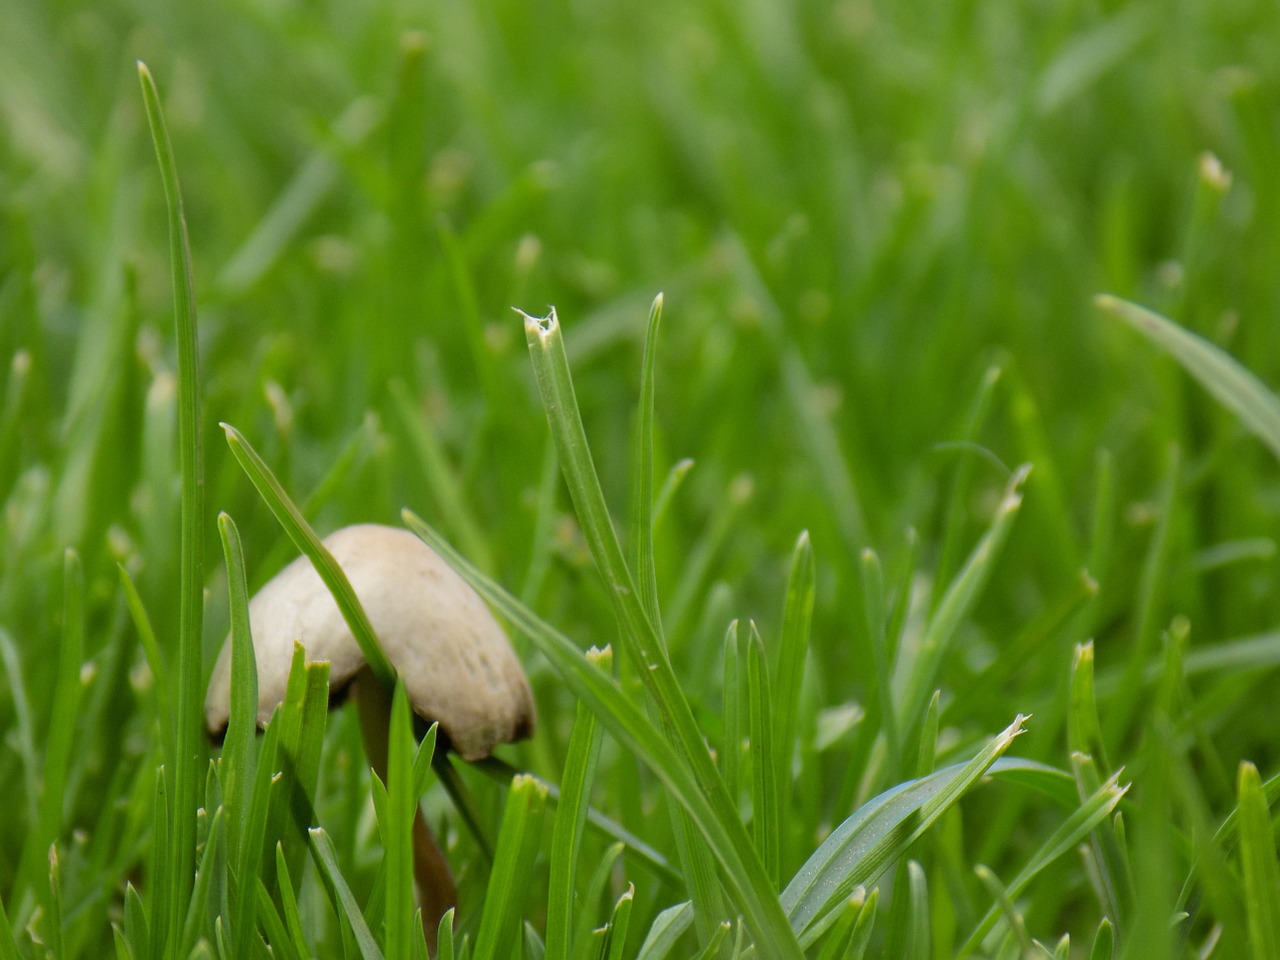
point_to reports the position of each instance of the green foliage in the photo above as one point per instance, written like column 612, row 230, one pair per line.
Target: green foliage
column 889, row 482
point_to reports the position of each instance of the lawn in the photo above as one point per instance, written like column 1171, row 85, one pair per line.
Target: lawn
column 890, row 400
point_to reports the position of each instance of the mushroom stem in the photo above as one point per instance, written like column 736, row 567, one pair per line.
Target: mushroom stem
column 437, row 892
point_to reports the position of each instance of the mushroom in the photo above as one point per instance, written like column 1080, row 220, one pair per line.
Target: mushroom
column 456, row 664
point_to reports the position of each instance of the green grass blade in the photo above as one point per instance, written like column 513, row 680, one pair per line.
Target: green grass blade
column 788, row 673
column 735, row 685
column 273, row 926
column 300, row 532
column 872, row 576
column 344, row 901
column 9, row 945
column 641, row 640
column 571, row 815
column 244, row 930
column 924, row 668
column 289, row 905
column 620, row 922
column 150, row 650
column 302, row 720
column 665, row 931
column 239, row 748
column 1235, row 387
column 518, row 842
column 1074, row 829
column 1084, row 733
column 726, row 837
column 1258, row 864
column 64, row 710
column 190, row 749
column 442, row 484
column 642, row 503
column 1103, row 941
column 397, row 828
column 881, row 830
column 198, row 909
column 766, row 821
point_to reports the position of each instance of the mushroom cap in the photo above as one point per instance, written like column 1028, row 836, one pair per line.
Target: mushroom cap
column 456, row 663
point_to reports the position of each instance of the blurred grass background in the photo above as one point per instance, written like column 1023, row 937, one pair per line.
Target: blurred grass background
column 878, row 228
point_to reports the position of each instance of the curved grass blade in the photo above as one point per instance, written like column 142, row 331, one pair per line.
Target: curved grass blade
column 300, row 532
column 1235, row 387
column 1092, row 812
column 866, row 843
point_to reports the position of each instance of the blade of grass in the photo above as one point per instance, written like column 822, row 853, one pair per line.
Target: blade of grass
column 766, row 817
column 518, row 842
column 924, row 667
column 641, row 640
column 189, row 748
column 571, row 815
column 239, row 749
column 1074, row 829
column 344, row 901
column 64, row 710
column 402, row 804
column 788, row 674
column 1258, row 863
column 300, row 532
column 1235, row 387
column 642, row 485
column 665, row 930
column 876, row 834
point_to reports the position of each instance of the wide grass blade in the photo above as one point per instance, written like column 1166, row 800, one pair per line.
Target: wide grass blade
column 642, row 503
column 860, row 848
column 190, row 749
column 788, row 675
column 1222, row 375
column 306, row 540
column 665, row 931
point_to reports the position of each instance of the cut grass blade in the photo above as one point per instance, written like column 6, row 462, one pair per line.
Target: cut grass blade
column 189, row 751
column 1235, row 387
column 300, row 532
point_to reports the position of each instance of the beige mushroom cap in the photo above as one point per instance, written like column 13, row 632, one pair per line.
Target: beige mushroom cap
column 457, row 665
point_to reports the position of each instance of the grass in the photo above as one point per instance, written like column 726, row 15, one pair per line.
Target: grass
column 938, row 603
